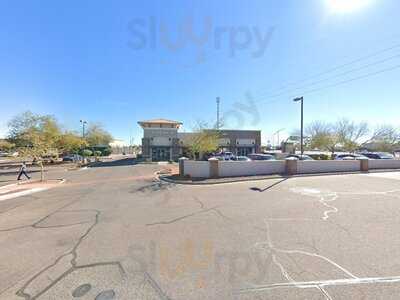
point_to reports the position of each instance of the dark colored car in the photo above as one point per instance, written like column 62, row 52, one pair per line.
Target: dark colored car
column 261, row 156
column 378, row 155
column 240, row 158
column 72, row 158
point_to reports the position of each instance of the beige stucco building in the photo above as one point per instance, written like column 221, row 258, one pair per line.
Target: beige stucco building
column 162, row 142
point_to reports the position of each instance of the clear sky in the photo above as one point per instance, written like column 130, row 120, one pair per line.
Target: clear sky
column 117, row 62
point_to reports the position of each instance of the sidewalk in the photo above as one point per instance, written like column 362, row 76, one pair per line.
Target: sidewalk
column 24, row 188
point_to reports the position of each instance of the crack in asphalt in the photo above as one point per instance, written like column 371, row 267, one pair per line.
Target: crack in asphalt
column 203, row 209
column 274, row 252
column 34, row 198
column 155, row 186
column 35, row 225
column 182, row 217
column 155, row 286
column 21, row 292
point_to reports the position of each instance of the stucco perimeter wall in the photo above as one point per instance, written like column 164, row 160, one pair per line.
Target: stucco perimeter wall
column 384, row 164
column 202, row 169
column 327, row 166
column 197, row 169
column 244, row 168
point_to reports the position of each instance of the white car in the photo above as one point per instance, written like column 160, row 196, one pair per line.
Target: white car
column 350, row 157
column 241, row 158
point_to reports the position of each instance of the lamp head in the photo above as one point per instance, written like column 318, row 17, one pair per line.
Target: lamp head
column 298, row 99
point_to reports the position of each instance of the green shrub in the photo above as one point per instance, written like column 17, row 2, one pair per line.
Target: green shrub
column 106, row 152
column 97, row 153
column 87, row 152
column 324, row 157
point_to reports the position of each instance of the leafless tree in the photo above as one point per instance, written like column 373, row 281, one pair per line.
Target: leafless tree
column 384, row 138
column 351, row 134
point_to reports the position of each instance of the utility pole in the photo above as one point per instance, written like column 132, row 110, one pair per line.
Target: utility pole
column 83, row 122
column 301, row 99
column 218, row 102
column 277, row 133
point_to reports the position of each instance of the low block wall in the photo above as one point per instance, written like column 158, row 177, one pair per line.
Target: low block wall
column 244, row 168
column 384, row 164
column 326, row 166
column 202, row 169
column 197, row 169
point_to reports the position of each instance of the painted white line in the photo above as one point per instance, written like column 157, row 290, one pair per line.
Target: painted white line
column 323, row 283
column 22, row 193
column 275, row 253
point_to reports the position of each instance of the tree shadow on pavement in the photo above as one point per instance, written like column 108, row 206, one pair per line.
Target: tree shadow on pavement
column 114, row 163
column 256, row 189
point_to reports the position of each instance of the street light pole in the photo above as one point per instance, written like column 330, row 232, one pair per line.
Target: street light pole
column 83, row 122
column 301, row 99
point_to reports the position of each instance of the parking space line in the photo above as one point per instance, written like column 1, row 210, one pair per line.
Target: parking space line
column 322, row 283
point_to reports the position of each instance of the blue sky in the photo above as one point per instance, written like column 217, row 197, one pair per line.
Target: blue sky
column 101, row 61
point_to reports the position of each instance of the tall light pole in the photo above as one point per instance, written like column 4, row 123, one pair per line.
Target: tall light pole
column 218, row 102
column 83, row 122
column 301, row 99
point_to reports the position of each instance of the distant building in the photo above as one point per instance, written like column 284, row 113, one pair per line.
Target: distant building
column 240, row 142
column 162, row 141
column 119, row 146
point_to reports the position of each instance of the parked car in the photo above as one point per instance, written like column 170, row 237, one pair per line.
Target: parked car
column 4, row 154
column 241, row 158
column 256, row 156
column 227, row 155
column 72, row 158
column 50, row 159
column 349, row 157
column 378, row 155
column 300, row 157
column 218, row 157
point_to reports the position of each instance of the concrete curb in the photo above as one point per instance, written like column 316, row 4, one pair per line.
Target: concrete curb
column 251, row 178
column 166, row 179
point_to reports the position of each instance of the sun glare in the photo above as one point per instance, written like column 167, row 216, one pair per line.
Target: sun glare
column 346, row 6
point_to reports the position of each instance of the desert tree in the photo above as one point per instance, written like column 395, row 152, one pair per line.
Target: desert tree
column 203, row 140
column 97, row 135
column 351, row 134
column 35, row 136
column 385, row 138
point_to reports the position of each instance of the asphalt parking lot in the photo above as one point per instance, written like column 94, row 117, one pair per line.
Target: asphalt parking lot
column 114, row 232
